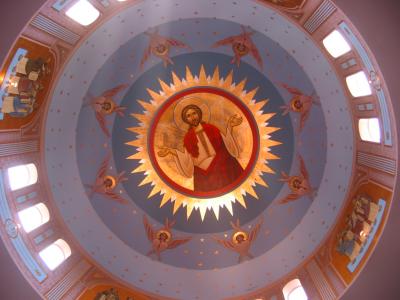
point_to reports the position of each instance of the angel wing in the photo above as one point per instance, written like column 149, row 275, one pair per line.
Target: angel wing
column 120, row 110
column 176, row 43
column 145, row 57
column 89, row 99
column 256, row 55
column 284, row 177
column 177, row 242
column 289, row 198
column 303, row 118
column 169, row 224
column 121, row 177
column 149, row 229
column 303, row 169
column 115, row 90
column 236, row 225
column 286, row 108
column 291, row 90
column 103, row 167
column 226, row 244
column 102, row 122
column 253, row 234
column 227, row 41
column 116, row 197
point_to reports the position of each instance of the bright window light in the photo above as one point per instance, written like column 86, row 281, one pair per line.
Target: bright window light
column 297, row 294
column 55, row 254
column 335, row 44
column 358, row 84
column 369, row 130
column 293, row 290
column 34, row 216
column 83, row 12
column 22, row 176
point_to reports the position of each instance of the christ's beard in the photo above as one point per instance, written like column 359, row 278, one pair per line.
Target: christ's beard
column 195, row 123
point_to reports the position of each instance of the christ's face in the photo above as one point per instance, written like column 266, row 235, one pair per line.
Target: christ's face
column 192, row 117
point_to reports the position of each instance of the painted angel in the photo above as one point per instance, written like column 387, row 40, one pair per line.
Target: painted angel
column 241, row 240
column 160, row 46
column 299, row 184
column 300, row 103
column 242, row 45
column 104, row 105
column 162, row 239
column 105, row 184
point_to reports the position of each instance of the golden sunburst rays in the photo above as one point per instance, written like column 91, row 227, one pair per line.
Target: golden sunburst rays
column 183, row 200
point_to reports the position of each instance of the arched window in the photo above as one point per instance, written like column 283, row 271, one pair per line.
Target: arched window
column 293, row 290
column 83, row 12
column 34, row 216
column 55, row 254
column 336, row 44
column 22, row 176
column 358, row 84
column 369, row 130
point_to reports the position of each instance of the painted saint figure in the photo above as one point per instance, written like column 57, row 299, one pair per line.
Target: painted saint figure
column 209, row 157
column 162, row 239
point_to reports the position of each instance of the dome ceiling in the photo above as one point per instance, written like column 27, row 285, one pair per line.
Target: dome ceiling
column 193, row 61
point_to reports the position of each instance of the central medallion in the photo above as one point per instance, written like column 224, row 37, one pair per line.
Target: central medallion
column 203, row 142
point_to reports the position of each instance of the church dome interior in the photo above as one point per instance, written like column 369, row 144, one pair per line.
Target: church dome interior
column 185, row 149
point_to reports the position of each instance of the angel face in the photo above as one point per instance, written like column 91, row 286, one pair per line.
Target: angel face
column 107, row 107
column 160, row 49
column 240, row 48
column 296, row 183
column 109, row 182
column 162, row 237
column 296, row 104
column 240, row 238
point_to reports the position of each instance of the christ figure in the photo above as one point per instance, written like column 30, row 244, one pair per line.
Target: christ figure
column 209, row 156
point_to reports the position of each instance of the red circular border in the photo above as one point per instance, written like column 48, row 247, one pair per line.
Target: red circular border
column 247, row 170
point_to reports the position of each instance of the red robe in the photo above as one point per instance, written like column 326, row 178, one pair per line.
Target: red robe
column 223, row 170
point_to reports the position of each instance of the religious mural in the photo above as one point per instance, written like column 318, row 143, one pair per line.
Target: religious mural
column 290, row 4
column 25, row 80
column 203, row 143
column 199, row 143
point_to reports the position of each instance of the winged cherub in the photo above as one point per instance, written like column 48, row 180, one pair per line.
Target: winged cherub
column 162, row 239
column 241, row 240
column 299, row 184
column 242, row 45
column 160, row 46
column 105, row 184
column 300, row 103
column 104, row 105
